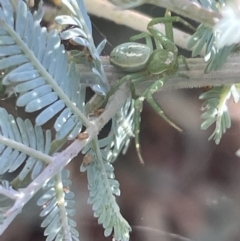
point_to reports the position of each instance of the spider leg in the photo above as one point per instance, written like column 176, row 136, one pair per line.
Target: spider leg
column 138, row 105
column 179, row 19
column 128, row 77
column 151, row 90
column 168, row 20
column 183, row 59
column 140, row 78
column 160, row 112
column 166, row 42
column 147, row 36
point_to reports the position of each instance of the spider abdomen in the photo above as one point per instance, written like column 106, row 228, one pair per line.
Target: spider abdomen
column 130, row 57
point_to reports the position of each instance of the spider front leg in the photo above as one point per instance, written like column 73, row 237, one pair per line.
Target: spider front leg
column 168, row 21
column 147, row 37
column 166, row 42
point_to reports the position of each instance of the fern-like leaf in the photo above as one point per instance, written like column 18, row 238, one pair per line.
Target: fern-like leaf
column 22, row 132
column 102, row 188
column 122, row 129
column 57, row 208
column 216, row 110
column 35, row 63
column 102, row 184
column 204, row 37
column 81, row 34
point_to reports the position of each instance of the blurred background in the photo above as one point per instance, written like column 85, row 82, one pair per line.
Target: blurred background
column 188, row 188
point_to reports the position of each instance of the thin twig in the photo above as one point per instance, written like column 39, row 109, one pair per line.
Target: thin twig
column 190, row 10
column 130, row 18
column 10, row 193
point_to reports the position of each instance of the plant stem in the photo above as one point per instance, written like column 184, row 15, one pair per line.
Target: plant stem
column 130, row 18
column 228, row 74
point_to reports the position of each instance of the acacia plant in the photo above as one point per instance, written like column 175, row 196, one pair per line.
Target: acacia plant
column 46, row 76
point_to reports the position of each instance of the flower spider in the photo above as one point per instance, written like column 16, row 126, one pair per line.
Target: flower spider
column 144, row 63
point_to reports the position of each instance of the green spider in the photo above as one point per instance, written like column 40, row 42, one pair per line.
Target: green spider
column 144, row 63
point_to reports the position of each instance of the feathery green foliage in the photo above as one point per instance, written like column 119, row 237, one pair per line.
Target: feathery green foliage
column 100, row 171
column 22, row 132
column 204, row 37
column 57, row 206
column 43, row 77
column 35, row 64
column 215, row 106
column 216, row 110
